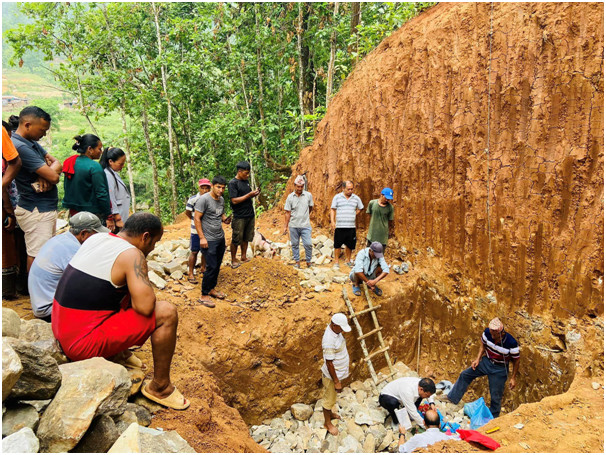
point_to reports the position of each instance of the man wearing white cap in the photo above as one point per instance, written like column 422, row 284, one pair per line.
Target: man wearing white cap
column 335, row 368
column 497, row 350
column 298, row 206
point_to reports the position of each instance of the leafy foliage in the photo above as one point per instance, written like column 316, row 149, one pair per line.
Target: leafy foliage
column 232, row 78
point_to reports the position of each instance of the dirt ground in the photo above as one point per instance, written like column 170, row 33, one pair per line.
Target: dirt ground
column 230, row 360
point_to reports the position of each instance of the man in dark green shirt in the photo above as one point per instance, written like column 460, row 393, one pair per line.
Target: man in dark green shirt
column 381, row 218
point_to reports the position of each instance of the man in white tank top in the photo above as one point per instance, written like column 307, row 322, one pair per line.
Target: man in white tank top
column 105, row 304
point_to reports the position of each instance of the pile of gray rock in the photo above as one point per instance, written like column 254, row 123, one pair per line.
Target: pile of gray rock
column 364, row 427
column 322, row 253
column 168, row 260
column 52, row 405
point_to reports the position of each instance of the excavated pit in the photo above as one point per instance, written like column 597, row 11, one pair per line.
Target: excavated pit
column 265, row 358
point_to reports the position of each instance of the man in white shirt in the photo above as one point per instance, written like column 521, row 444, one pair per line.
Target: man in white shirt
column 422, row 440
column 343, row 211
column 409, row 393
column 335, row 368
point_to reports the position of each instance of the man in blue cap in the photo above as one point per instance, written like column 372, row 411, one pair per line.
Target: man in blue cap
column 381, row 218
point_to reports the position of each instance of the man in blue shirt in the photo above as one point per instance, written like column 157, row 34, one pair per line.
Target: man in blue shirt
column 48, row 267
column 370, row 267
column 36, row 182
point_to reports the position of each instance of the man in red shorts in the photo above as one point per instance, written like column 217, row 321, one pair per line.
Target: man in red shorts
column 105, row 304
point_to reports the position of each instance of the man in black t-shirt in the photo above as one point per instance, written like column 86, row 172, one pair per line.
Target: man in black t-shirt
column 243, row 224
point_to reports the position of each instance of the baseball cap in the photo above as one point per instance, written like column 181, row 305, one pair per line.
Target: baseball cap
column 377, row 249
column 388, row 193
column 204, row 182
column 88, row 221
column 341, row 320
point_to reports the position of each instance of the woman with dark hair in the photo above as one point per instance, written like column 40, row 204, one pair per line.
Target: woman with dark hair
column 112, row 161
column 85, row 182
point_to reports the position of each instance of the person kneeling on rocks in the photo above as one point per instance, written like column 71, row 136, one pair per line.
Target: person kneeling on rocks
column 370, row 267
column 422, row 440
column 105, row 304
column 409, row 393
column 335, row 368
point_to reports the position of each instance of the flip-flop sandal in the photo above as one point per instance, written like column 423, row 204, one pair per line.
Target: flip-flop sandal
column 235, row 266
column 378, row 291
column 174, row 401
column 218, row 295
column 356, row 290
column 193, row 280
column 133, row 362
column 207, row 303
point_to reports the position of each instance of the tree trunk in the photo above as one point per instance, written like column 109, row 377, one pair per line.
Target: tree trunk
column 268, row 159
column 356, row 12
column 301, row 79
column 307, row 61
column 173, row 202
column 129, row 164
column 333, row 53
column 152, row 160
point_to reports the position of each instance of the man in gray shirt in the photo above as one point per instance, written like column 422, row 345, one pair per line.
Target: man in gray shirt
column 207, row 219
column 299, row 205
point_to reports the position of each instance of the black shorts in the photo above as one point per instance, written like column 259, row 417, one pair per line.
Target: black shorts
column 243, row 230
column 345, row 236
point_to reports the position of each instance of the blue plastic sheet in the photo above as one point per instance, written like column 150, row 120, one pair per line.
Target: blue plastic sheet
column 478, row 413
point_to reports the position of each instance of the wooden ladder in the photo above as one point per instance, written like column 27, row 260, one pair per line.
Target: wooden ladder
column 353, row 315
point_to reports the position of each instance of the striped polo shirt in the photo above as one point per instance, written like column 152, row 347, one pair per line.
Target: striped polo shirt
column 503, row 352
column 191, row 202
column 346, row 209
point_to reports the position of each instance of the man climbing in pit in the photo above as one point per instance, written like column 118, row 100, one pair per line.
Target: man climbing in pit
column 497, row 350
column 370, row 268
column 335, row 368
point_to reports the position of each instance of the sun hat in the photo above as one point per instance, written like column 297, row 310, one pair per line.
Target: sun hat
column 341, row 320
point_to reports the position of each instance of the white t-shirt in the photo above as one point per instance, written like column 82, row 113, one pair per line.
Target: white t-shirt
column 333, row 348
column 431, row 436
column 406, row 391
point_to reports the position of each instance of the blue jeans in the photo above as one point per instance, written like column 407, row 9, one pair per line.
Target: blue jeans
column 305, row 235
column 497, row 377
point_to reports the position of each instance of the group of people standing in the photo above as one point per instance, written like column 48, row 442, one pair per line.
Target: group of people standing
column 30, row 176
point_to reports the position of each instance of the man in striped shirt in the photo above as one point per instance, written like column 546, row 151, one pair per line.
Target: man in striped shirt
column 343, row 211
column 497, row 350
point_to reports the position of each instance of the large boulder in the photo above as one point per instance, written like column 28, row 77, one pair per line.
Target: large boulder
column 41, row 377
column 138, row 439
column 369, row 417
column 36, row 330
column 21, row 416
column 99, row 438
column 301, row 411
column 89, row 388
column 11, row 369
column 23, row 441
column 11, row 323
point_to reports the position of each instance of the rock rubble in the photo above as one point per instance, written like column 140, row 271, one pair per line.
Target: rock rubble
column 364, row 427
column 53, row 405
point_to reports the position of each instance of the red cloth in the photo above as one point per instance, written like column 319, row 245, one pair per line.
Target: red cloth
column 68, row 166
column 86, row 334
column 476, row 436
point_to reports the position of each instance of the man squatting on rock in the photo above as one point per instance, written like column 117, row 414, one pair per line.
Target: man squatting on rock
column 335, row 367
column 105, row 304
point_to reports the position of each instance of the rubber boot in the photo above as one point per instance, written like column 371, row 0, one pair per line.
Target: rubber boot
column 9, row 284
